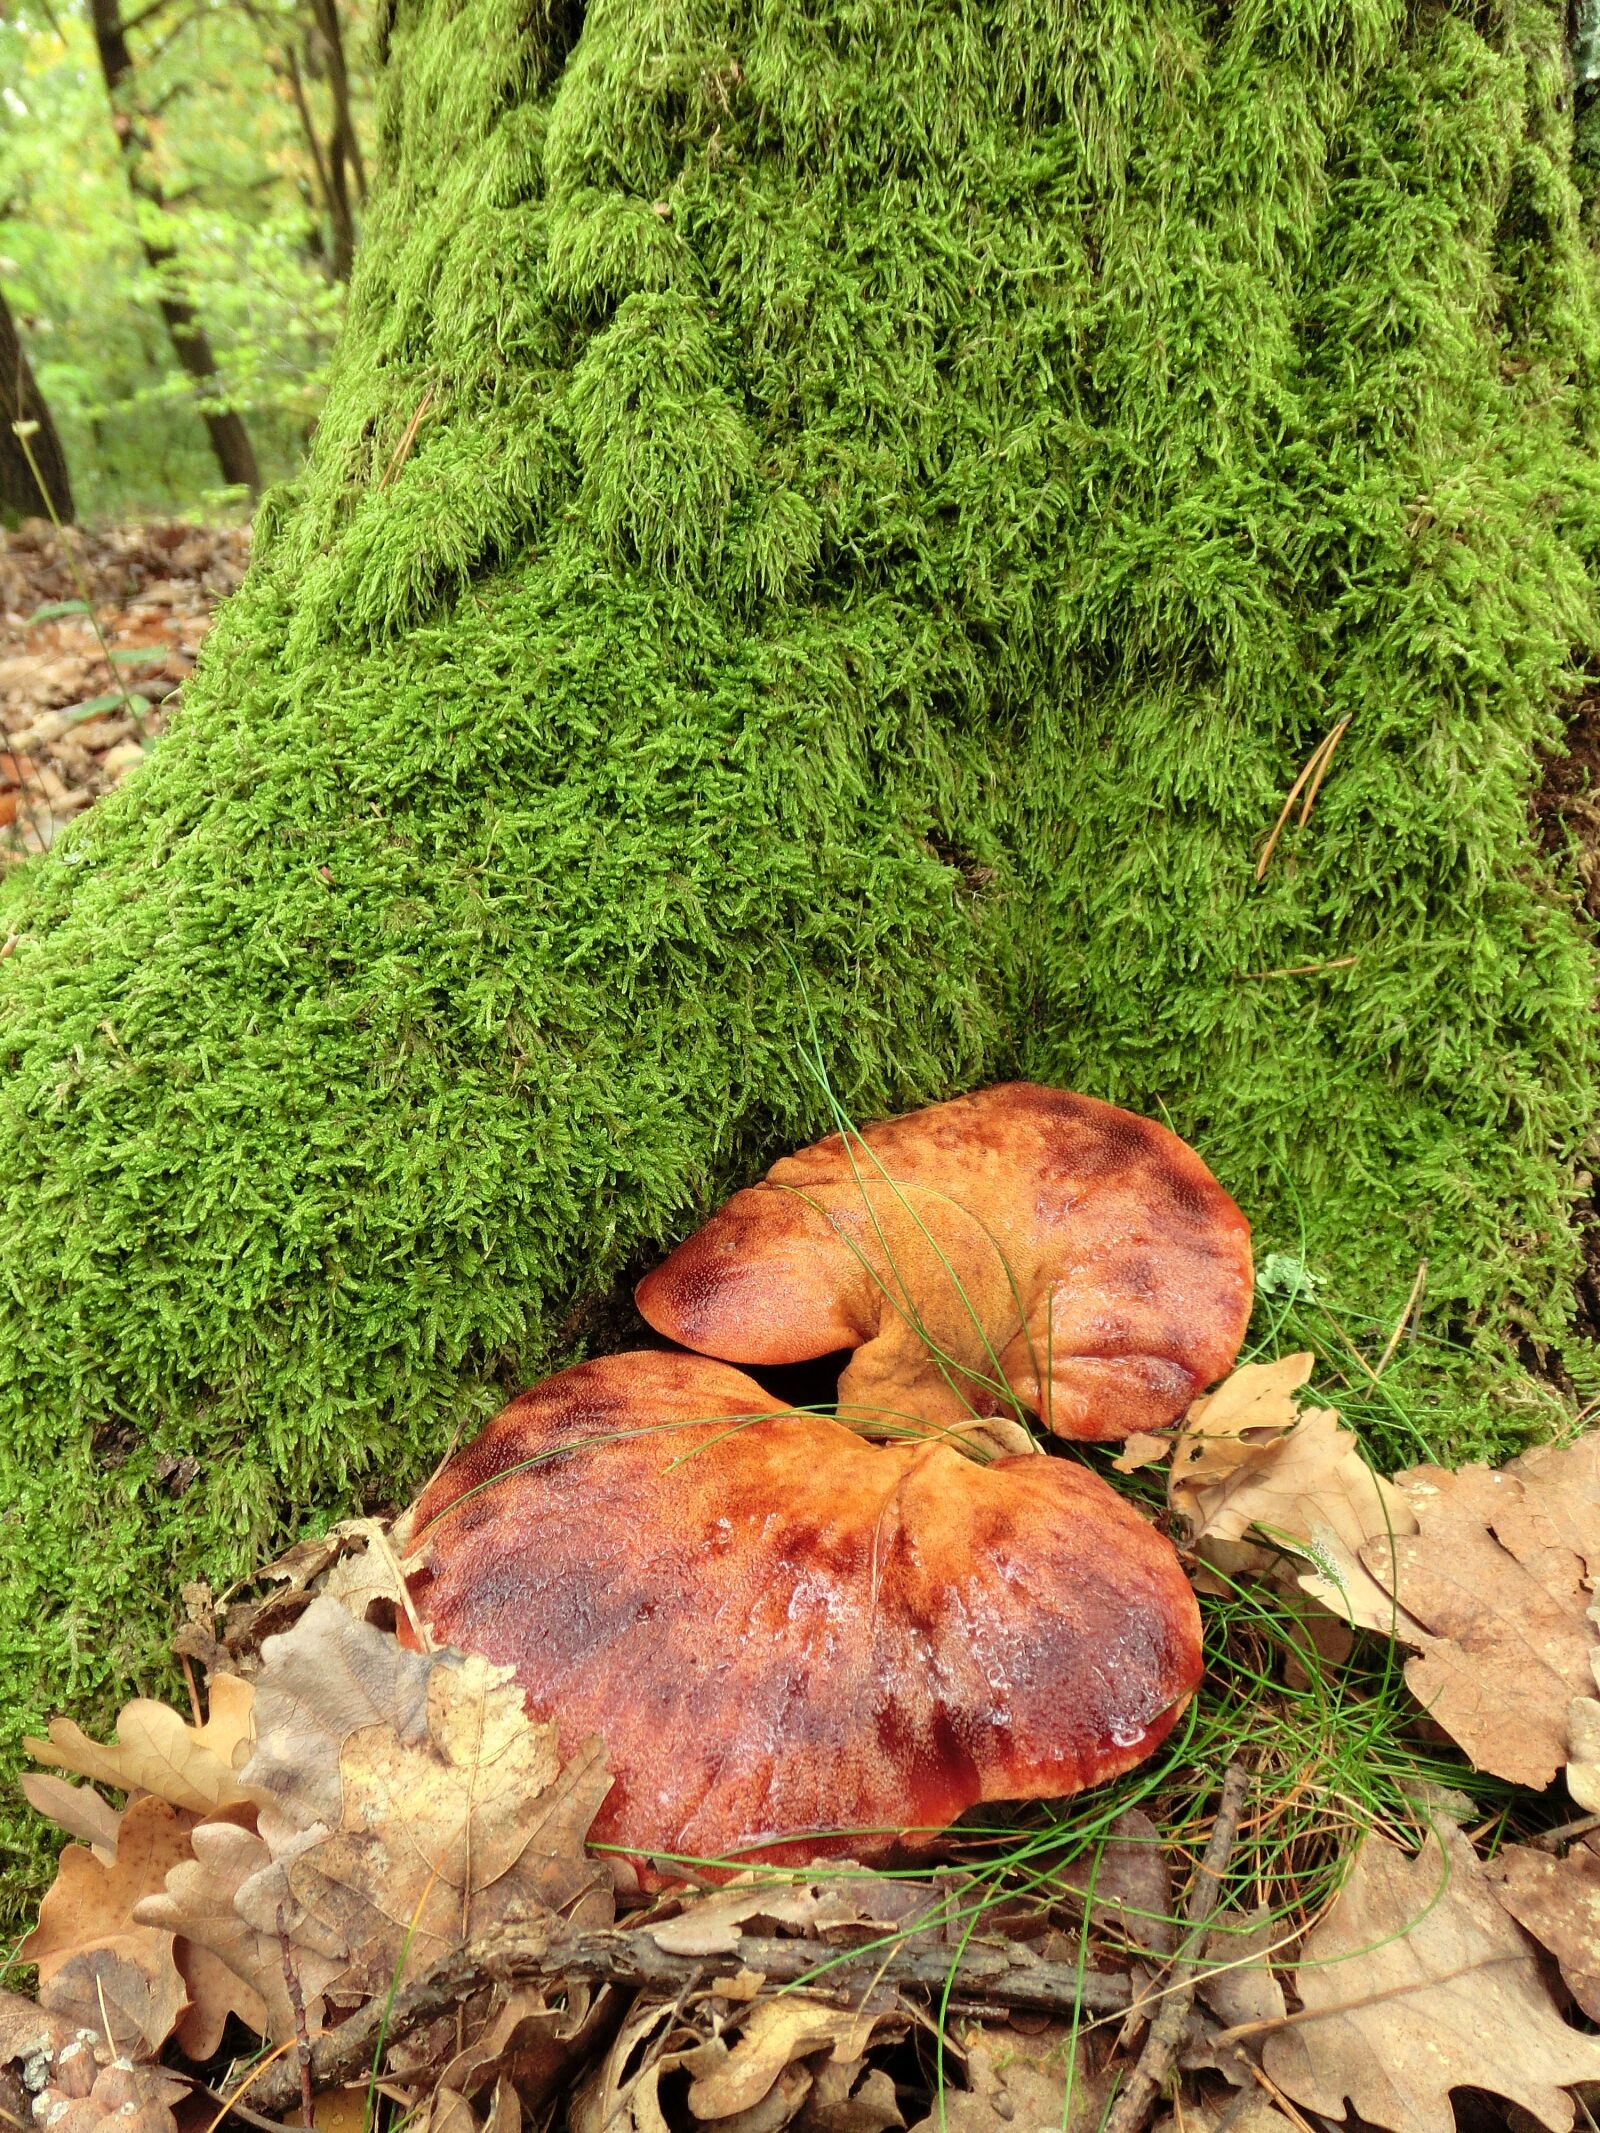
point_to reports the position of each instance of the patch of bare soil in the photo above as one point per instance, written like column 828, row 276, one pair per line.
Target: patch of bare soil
column 99, row 630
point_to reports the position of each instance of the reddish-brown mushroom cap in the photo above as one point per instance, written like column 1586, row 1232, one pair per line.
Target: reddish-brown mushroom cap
column 1022, row 1239
column 793, row 1643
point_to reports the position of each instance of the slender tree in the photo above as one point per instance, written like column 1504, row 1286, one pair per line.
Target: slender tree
column 230, row 440
column 24, row 492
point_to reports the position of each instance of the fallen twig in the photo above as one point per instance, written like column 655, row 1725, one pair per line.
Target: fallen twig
column 549, row 1950
column 1133, row 2103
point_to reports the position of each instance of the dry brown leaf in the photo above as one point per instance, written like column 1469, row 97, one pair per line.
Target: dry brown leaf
column 26, row 2030
column 1416, row 1983
column 1497, row 1581
column 90, row 1902
column 438, row 1835
column 158, row 1751
column 713, row 1925
column 1141, row 1449
column 1132, row 1884
column 620, row 2094
column 771, row 2037
column 78, row 1809
column 847, row 2097
column 530, row 2043
column 229, row 1966
column 364, row 1575
column 126, row 1988
column 1306, row 1489
column 1254, row 2113
column 1222, row 1428
column 321, row 1682
column 1558, row 1902
column 1242, row 1988
column 1583, row 1736
column 1020, row 2084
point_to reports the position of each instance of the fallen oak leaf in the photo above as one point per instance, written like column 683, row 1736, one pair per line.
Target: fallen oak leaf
column 126, row 1988
column 78, row 1809
column 772, row 2035
column 1415, row 1983
column 1247, row 1459
column 321, row 1682
column 1498, row 1587
column 1583, row 1737
column 848, row 2097
column 90, row 1902
column 158, row 1751
column 1558, row 1902
column 1143, row 1448
column 234, row 1968
column 448, row 1809
column 141, row 2099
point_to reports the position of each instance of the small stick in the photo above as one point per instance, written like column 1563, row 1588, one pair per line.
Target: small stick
column 1301, row 970
column 549, row 1950
column 1133, row 2105
column 1403, row 1320
column 1328, row 746
column 1550, row 1840
column 297, row 2005
column 1316, row 764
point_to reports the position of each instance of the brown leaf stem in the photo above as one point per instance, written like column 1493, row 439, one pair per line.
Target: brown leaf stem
column 1134, row 2102
column 538, row 1950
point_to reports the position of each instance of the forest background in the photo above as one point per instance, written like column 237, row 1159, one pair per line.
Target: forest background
column 223, row 174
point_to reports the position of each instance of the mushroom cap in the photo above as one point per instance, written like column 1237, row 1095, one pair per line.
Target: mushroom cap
column 795, row 1644
column 1020, row 1243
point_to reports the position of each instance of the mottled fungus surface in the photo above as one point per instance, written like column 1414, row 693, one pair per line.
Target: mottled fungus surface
column 796, row 1644
column 1021, row 1244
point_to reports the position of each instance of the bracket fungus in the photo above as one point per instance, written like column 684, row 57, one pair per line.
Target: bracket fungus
column 797, row 1644
column 1020, row 1246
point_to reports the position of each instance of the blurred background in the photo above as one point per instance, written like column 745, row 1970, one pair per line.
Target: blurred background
column 180, row 186
column 181, row 183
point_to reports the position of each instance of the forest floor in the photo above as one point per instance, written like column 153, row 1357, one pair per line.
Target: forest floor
column 96, row 641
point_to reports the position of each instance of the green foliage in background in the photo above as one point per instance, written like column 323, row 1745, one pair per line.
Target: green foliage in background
column 250, row 249
column 856, row 513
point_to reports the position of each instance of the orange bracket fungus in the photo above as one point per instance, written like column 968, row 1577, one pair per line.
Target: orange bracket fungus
column 794, row 1643
column 1021, row 1246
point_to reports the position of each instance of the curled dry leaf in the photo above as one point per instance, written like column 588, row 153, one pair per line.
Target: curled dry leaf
column 1019, row 1245
column 797, row 1644
column 772, row 2036
column 531, row 2042
column 1020, row 2084
column 1416, row 1983
column 1558, row 1902
column 1247, row 1459
column 713, row 1924
column 1499, row 1576
column 191, row 1767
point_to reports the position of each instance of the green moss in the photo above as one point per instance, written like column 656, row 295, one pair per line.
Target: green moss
column 862, row 512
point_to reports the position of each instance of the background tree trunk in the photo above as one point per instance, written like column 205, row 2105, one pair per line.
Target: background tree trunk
column 22, row 401
column 230, row 441
column 833, row 533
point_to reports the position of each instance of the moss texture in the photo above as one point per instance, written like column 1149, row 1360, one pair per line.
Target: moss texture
column 858, row 511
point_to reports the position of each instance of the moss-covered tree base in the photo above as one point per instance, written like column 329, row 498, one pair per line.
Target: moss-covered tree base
column 849, row 516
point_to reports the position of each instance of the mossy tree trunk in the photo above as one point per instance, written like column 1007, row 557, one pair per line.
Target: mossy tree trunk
column 833, row 533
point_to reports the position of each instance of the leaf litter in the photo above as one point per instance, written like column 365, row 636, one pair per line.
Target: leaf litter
column 367, row 1856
